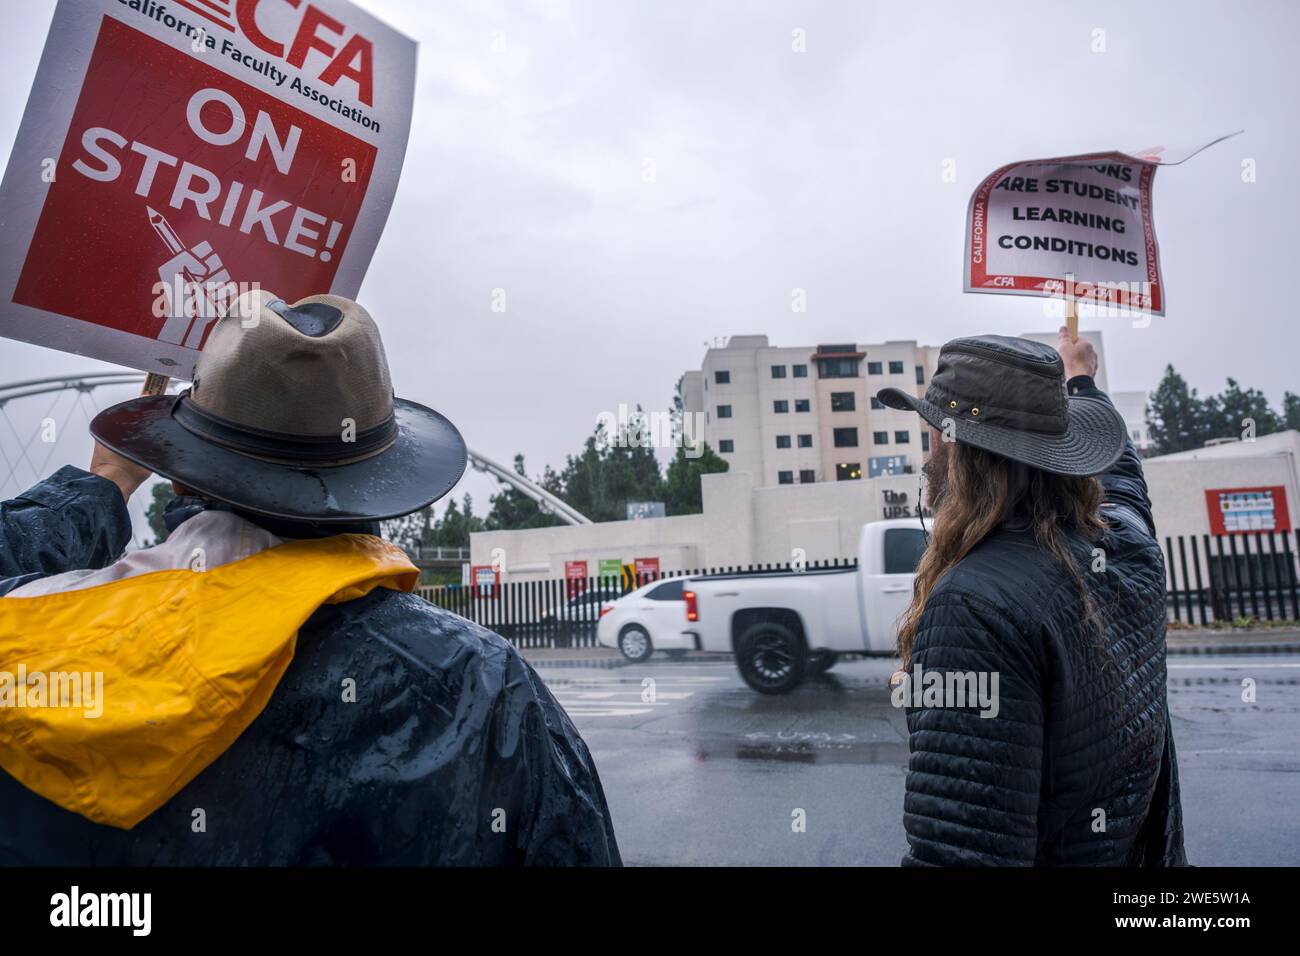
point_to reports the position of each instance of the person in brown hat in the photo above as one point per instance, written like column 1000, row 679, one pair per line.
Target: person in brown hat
column 272, row 693
column 1042, row 583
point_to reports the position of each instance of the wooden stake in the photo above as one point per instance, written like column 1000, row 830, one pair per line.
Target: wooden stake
column 155, row 384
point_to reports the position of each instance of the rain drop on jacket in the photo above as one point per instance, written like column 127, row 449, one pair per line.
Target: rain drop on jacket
column 453, row 753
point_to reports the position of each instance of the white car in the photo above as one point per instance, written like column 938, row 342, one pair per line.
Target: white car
column 650, row 618
column 785, row 625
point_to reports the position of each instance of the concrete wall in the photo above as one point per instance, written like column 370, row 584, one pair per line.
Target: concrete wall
column 740, row 525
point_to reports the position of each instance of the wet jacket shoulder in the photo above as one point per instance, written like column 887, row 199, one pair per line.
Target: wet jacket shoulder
column 399, row 734
column 69, row 521
column 1075, row 764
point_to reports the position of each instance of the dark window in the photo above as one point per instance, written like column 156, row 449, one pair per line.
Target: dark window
column 874, row 368
column 877, row 404
column 805, row 441
column 837, row 368
column 846, row 437
column 842, row 402
column 778, row 371
column 724, row 411
column 782, row 441
column 780, row 406
column 668, row 591
column 901, row 438
column 801, row 405
column 925, row 440
column 807, row 476
column 785, row 477
column 920, row 375
column 895, row 368
column 903, row 549
column 799, row 371
column 726, row 446
column 880, row 438
column 848, row 472
column 722, row 377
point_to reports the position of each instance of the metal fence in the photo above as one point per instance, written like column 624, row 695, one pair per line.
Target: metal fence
column 1230, row 578
column 1209, row 579
column 564, row 612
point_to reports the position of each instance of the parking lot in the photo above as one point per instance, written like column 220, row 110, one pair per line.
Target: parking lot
column 699, row 769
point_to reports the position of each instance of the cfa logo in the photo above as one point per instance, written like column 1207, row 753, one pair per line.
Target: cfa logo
column 1007, row 281
column 353, row 59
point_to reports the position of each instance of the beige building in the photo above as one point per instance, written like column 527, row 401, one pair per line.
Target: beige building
column 802, row 415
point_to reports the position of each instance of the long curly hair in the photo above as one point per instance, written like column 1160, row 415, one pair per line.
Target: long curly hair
column 972, row 492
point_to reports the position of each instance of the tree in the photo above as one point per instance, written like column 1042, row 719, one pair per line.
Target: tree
column 1291, row 411
column 1175, row 415
column 1234, row 411
column 455, row 526
column 159, row 496
column 682, row 491
column 511, row 509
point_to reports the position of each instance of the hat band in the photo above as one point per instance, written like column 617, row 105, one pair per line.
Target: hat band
column 280, row 446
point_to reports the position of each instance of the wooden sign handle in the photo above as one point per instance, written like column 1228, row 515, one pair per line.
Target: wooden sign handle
column 155, row 384
column 1072, row 319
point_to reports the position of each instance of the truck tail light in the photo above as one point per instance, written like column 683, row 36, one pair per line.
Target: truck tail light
column 605, row 609
column 692, row 606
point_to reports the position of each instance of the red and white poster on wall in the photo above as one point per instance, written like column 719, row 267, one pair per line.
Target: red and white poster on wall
column 1246, row 510
column 173, row 156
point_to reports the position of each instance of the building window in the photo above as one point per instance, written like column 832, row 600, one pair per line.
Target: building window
column 895, row 368
column 778, row 371
column 807, row 476
column 920, row 375
column 837, row 368
column 782, row 441
column 874, row 368
column 876, row 404
column 805, row 441
column 880, row 438
column 727, row 446
column 848, row 472
column 842, row 402
column 802, row 405
column 799, row 371
column 925, row 440
column 780, row 406
column 724, row 411
column 901, row 438
column 846, row 437
column 721, row 377
column 785, row 477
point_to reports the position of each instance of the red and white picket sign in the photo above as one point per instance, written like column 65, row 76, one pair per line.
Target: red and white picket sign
column 1077, row 227
column 174, row 155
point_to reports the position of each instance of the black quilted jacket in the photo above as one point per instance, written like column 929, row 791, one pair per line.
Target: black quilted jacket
column 1077, row 768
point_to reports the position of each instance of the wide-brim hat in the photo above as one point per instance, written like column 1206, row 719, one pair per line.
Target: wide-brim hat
column 291, row 415
column 1008, row 396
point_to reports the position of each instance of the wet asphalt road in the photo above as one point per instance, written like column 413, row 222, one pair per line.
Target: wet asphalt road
column 698, row 769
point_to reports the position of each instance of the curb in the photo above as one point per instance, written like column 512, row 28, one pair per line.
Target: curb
column 1274, row 647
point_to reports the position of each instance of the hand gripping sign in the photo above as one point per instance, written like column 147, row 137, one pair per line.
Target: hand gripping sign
column 202, row 148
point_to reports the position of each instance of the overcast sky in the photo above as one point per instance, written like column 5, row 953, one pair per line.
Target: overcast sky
column 776, row 170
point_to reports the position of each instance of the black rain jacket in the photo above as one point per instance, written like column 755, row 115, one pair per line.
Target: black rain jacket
column 1078, row 766
column 454, row 752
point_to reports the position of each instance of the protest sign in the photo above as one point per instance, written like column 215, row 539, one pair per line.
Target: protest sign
column 1078, row 227
column 173, row 156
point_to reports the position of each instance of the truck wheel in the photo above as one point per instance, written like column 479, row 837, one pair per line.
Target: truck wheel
column 819, row 662
column 635, row 644
column 772, row 658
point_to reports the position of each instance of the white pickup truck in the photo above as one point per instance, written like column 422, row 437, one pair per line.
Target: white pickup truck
column 785, row 625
